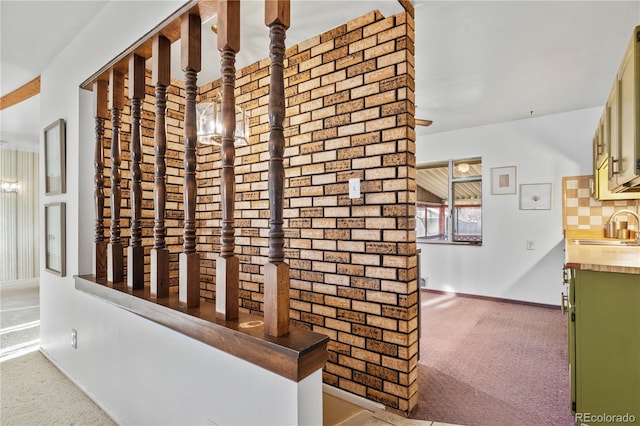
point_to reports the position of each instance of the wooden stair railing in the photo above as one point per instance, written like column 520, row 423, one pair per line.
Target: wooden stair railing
column 135, row 252
column 189, row 291
column 161, row 78
column 115, row 264
column 228, row 264
column 276, row 280
column 100, row 100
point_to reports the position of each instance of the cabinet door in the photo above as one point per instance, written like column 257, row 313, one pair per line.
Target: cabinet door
column 629, row 123
column 571, row 334
column 601, row 140
column 613, row 104
column 607, row 334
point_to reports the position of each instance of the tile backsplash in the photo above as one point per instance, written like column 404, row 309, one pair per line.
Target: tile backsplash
column 581, row 211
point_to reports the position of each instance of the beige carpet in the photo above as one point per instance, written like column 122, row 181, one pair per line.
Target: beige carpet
column 34, row 392
column 492, row 363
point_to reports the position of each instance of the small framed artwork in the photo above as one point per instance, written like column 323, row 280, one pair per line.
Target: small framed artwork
column 54, row 231
column 54, row 158
column 503, row 180
column 535, row 196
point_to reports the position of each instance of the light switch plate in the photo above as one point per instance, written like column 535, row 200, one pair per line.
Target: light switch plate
column 354, row 188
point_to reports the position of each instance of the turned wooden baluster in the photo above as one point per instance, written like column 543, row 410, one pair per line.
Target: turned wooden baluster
column 161, row 75
column 189, row 292
column 135, row 252
column 228, row 264
column 115, row 265
column 101, row 100
column 276, row 282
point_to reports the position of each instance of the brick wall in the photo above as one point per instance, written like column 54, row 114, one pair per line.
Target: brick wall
column 350, row 105
column 353, row 265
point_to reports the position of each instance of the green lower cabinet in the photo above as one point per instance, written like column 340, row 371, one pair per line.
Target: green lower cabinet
column 604, row 325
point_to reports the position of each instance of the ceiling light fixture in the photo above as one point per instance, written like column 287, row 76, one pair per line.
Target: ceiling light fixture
column 10, row 187
column 210, row 127
column 463, row 167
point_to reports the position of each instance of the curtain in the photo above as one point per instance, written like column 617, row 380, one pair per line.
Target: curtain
column 19, row 251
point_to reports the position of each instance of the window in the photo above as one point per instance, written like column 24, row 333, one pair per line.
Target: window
column 449, row 202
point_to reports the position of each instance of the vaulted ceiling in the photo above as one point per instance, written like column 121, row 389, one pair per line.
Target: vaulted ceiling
column 476, row 62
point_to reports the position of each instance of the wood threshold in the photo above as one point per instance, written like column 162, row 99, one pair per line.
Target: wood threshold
column 22, row 93
column 293, row 356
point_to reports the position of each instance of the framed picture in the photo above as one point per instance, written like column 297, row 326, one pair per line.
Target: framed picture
column 54, row 231
column 54, row 158
column 503, row 180
column 535, row 196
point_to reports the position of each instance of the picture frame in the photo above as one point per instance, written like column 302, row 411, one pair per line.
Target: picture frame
column 535, row 196
column 503, row 180
column 54, row 157
column 55, row 238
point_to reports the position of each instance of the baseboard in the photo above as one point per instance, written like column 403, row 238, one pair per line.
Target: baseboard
column 352, row 398
column 21, row 281
column 82, row 388
column 494, row 299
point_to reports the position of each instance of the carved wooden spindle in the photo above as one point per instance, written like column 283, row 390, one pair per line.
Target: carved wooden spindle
column 228, row 264
column 189, row 292
column 100, row 94
column 161, row 78
column 135, row 251
column 115, row 265
column 276, row 282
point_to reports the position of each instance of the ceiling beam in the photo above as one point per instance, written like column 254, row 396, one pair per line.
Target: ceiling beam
column 22, row 93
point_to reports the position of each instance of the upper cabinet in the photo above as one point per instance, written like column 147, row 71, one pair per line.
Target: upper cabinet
column 623, row 108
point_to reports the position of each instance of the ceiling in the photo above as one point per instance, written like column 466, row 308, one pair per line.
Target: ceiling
column 476, row 62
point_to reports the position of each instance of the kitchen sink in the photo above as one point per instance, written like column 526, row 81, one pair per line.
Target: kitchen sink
column 605, row 242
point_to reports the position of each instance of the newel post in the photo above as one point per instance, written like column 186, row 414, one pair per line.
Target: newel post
column 101, row 105
column 161, row 78
column 228, row 264
column 189, row 292
column 276, row 280
column 135, row 251
column 115, row 264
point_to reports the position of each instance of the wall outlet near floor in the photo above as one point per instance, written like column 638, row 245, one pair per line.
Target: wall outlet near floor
column 531, row 245
column 74, row 338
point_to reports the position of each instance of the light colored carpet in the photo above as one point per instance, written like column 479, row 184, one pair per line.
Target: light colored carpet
column 486, row 362
column 34, row 392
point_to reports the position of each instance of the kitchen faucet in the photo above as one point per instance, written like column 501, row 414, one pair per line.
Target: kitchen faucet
column 629, row 212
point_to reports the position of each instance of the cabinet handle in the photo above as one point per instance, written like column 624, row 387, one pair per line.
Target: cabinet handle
column 615, row 166
column 563, row 303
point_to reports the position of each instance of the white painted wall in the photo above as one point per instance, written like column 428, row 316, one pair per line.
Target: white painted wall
column 138, row 371
column 544, row 149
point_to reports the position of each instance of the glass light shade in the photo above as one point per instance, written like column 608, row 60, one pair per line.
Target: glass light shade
column 10, row 186
column 209, row 123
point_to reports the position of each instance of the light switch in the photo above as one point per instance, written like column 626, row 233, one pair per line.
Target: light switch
column 354, row 188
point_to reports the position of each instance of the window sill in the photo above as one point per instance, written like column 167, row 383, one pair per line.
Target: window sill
column 294, row 356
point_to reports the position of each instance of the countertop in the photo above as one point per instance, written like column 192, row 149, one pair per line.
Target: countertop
column 606, row 258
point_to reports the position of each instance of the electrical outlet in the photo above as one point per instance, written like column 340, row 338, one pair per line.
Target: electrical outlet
column 531, row 245
column 74, row 338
